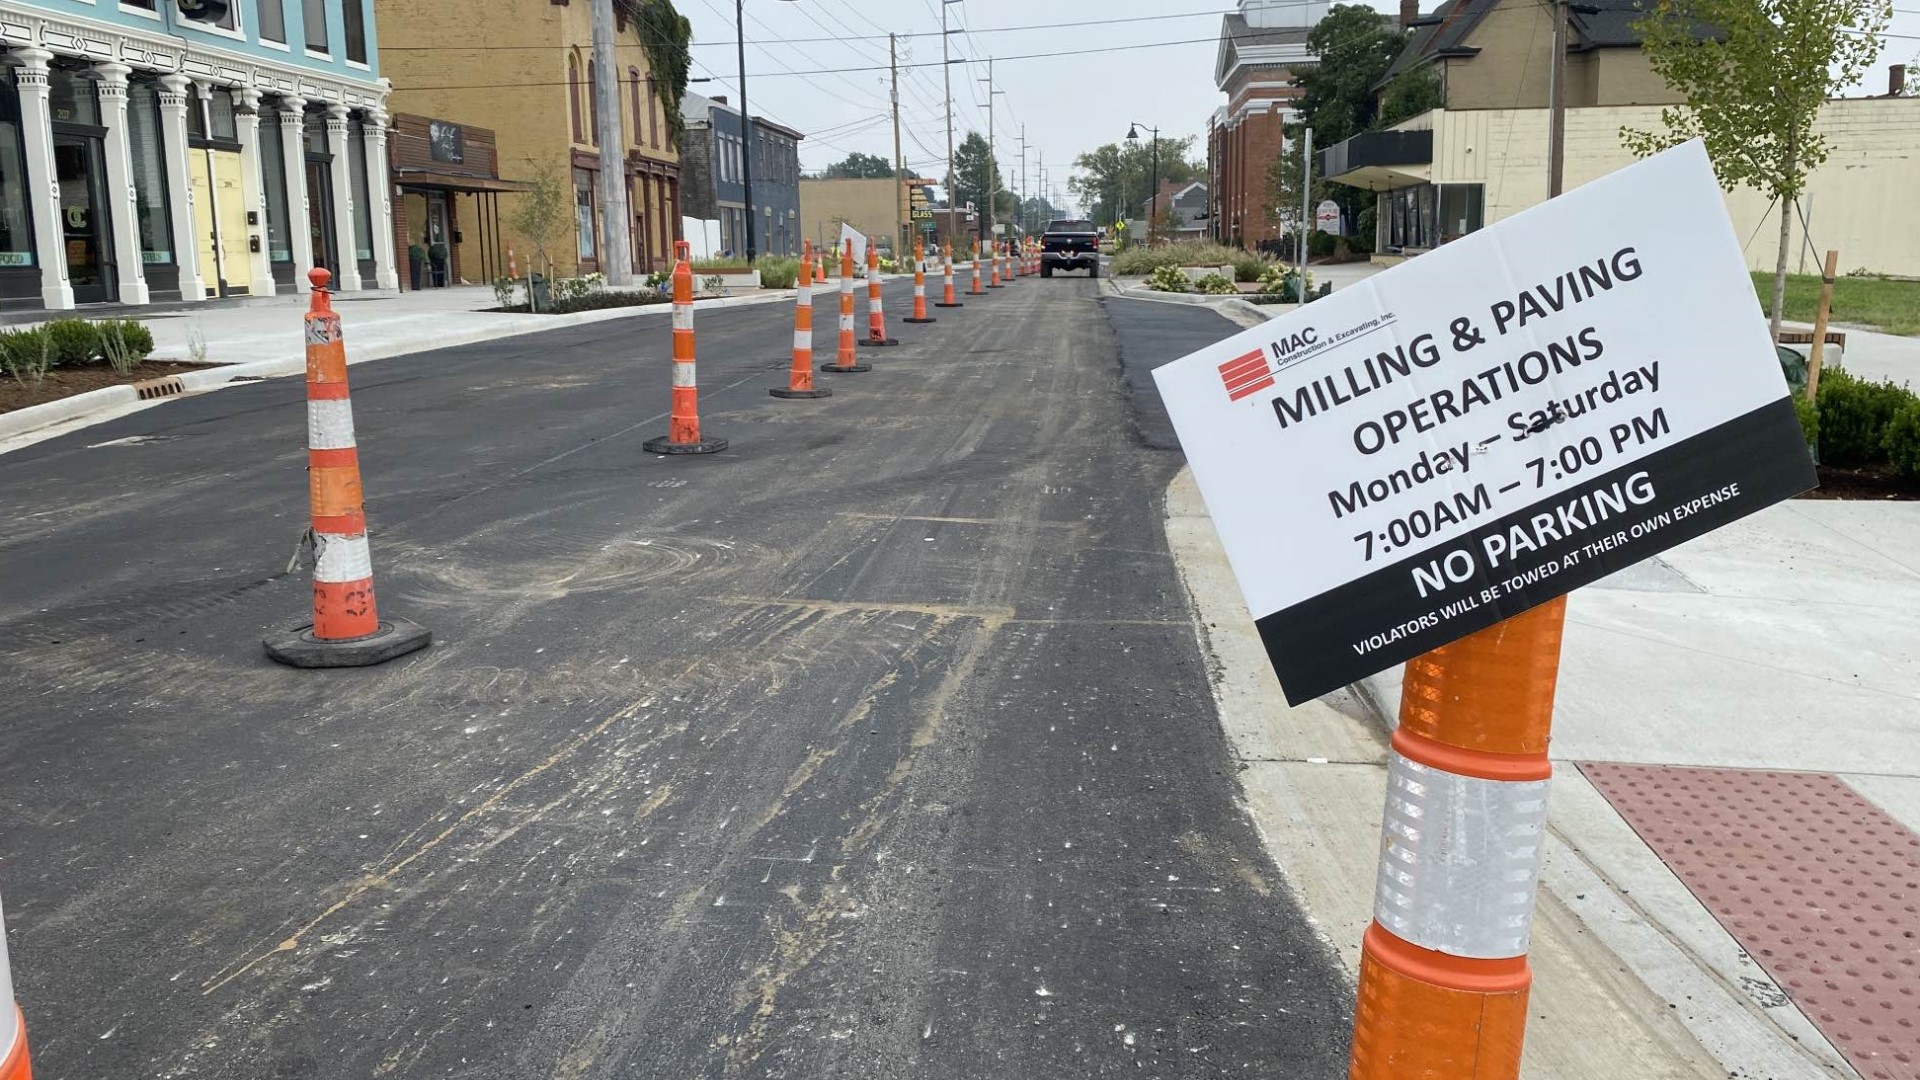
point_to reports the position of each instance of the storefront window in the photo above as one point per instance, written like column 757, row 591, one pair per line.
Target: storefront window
column 220, row 108
column 16, row 229
column 315, row 129
column 362, row 204
column 1461, row 206
column 149, row 172
column 273, row 174
column 583, row 211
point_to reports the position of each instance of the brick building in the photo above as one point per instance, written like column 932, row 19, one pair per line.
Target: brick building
column 1260, row 45
column 525, row 69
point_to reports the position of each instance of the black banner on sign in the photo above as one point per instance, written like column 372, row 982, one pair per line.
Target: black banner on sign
column 1573, row 538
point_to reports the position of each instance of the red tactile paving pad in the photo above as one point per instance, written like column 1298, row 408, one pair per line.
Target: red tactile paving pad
column 1819, row 885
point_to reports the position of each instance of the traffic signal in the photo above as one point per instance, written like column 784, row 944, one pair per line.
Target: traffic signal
column 206, row 11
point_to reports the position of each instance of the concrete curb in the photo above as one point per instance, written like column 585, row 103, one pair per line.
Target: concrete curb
column 1245, row 312
column 108, row 399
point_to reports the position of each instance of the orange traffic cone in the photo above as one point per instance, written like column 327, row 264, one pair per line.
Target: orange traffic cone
column 1013, row 262
column 876, row 306
column 820, row 269
column 919, row 285
column 14, row 1063
column 346, row 629
column 683, row 420
column 946, row 274
column 975, row 263
column 993, row 266
column 800, row 375
column 848, row 361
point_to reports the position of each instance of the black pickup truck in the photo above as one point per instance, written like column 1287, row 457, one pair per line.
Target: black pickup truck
column 1070, row 244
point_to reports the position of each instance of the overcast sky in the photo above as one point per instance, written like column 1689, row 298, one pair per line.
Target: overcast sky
column 1161, row 72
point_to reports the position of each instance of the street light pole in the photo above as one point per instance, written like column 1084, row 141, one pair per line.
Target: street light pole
column 616, row 238
column 1153, row 192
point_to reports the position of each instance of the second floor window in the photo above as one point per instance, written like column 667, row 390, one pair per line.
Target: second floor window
column 354, row 18
column 273, row 20
column 573, row 97
column 316, row 25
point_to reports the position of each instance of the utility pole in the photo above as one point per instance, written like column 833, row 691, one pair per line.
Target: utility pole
column 899, row 162
column 946, row 69
column 1306, row 202
column 1557, row 110
column 1020, row 205
column 991, row 180
column 616, row 242
column 746, row 125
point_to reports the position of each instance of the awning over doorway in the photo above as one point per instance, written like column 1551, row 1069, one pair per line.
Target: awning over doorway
column 432, row 181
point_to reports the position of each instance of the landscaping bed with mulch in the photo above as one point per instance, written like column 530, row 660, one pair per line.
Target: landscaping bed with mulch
column 64, row 382
column 1878, row 482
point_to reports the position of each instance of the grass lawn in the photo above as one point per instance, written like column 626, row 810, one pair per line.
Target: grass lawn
column 1881, row 303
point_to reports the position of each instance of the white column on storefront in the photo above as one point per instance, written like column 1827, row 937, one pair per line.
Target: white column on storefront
column 380, row 187
column 120, row 195
column 246, row 118
column 293, row 146
column 176, row 97
column 43, row 182
column 344, row 195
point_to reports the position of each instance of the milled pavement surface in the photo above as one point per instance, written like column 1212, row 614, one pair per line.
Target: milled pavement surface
column 879, row 745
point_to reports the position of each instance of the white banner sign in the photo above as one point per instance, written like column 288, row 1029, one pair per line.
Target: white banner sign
column 1491, row 424
column 848, row 232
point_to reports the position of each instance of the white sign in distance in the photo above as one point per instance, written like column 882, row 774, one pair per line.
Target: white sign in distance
column 1326, row 216
column 1495, row 423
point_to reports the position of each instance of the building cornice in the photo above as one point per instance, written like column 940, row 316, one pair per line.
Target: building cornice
column 144, row 50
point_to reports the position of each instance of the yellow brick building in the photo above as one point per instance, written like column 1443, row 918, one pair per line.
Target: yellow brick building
column 524, row 69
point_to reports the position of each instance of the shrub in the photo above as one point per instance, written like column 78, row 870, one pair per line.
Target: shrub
column 1854, row 415
column 1273, row 281
column 504, row 289
column 72, row 342
column 1363, row 228
column 26, row 355
column 730, row 262
column 1248, row 266
column 778, row 272
column 1903, row 439
column 1169, row 279
column 1809, row 416
column 1215, row 284
column 594, row 301
column 132, row 333
column 1320, row 244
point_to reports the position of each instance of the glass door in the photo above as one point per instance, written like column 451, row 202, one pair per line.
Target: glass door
column 80, row 165
column 320, row 216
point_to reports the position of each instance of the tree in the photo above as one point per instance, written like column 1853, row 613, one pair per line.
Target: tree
column 1355, row 45
column 544, row 212
column 1408, row 95
column 859, row 166
column 1116, row 179
column 1753, row 86
column 970, row 176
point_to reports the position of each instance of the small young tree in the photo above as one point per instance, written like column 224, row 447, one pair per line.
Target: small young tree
column 1755, row 74
column 544, row 211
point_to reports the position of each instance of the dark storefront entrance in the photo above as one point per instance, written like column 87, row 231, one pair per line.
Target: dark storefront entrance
column 79, row 162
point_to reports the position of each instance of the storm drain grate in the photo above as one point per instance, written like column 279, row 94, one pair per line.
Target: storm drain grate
column 159, row 388
column 1820, row 886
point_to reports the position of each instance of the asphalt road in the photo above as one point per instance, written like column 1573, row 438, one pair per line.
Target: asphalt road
column 879, row 745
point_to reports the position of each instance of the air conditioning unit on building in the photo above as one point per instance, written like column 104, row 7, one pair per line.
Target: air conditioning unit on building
column 207, row 11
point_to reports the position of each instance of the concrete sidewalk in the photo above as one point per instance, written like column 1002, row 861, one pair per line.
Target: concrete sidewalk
column 1789, row 640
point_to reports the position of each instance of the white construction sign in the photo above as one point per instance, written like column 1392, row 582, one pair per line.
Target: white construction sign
column 1490, row 425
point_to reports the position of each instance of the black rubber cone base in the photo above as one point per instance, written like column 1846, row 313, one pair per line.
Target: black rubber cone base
column 848, row 370
column 783, row 392
column 881, row 342
column 953, row 305
column 663, row 445
column 919, row 322
column 299, row 648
